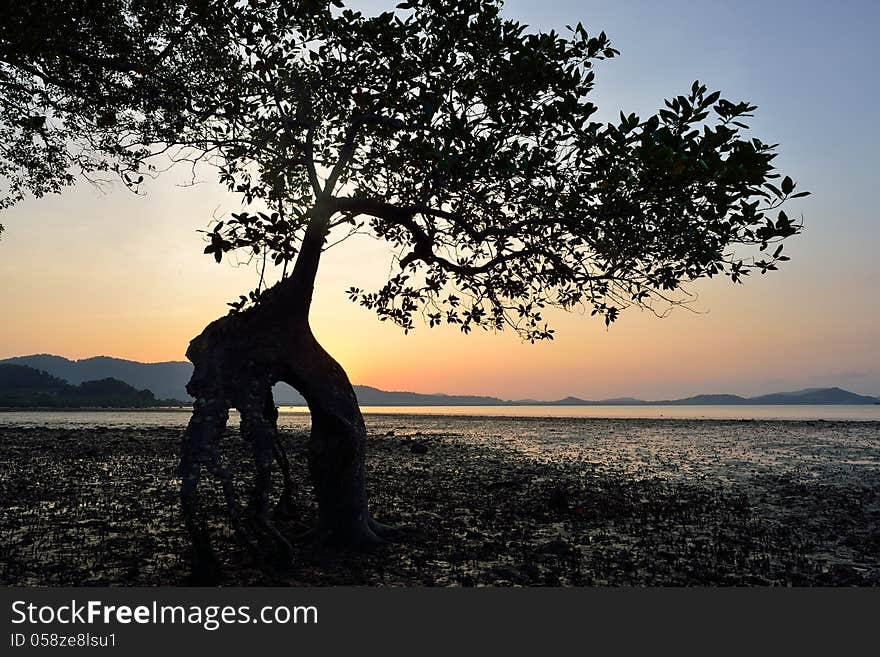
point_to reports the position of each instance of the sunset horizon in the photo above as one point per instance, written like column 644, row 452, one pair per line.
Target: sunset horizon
column 126, row 274
column 685, row 389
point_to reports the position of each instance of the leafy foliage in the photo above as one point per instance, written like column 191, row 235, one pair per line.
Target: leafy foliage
column 466, row 141
column 87, row 87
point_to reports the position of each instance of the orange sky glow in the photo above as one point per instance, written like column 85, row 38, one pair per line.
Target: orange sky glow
column 88, row 273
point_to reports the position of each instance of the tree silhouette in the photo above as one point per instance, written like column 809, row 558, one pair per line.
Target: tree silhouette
column 469, row 143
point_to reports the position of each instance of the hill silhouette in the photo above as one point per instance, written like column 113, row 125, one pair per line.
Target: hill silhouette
column 168, row 381
column 22, row 386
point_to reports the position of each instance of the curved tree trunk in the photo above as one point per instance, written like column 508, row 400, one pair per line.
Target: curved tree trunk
column 338, row 437
column 336, row 446
column 237, row 359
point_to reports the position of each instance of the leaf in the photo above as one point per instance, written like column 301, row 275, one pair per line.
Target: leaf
column 787, row 185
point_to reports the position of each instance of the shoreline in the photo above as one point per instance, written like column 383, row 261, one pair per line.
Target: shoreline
column 86, row 409
column 861, row 413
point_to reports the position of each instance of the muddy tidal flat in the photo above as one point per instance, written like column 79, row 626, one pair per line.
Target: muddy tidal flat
column 491, row 501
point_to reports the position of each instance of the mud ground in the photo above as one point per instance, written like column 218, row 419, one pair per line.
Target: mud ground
column 99, row 506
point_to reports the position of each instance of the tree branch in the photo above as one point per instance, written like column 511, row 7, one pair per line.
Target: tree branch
column 347, row 150
column 422, row 243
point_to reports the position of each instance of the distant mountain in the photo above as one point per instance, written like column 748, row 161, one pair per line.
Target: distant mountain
column 22, row 387
column 168, row 381
column 374, row 397
column 622, row 401
column 815, row 396
column 165, row 380
column 568, row 401
column 712, row 400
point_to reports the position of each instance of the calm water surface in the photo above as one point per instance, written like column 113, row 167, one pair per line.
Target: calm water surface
column 830, row 444
column 295, row 416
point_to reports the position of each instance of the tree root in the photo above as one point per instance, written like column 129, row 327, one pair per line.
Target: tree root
column 285, row 509
column 336, row 451
column 387, row 532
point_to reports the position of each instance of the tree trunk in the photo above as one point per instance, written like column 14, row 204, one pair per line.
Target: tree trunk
column 237, row 359
column 336, row 446
column 338, row 437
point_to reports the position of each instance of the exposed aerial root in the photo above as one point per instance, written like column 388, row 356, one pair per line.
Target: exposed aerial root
column 285, row 509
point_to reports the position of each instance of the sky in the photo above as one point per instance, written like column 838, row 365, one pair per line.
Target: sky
column 109, row 273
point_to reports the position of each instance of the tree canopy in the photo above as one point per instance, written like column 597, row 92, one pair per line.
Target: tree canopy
column 87, row 87
column 463, row 138
column 467, row 141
